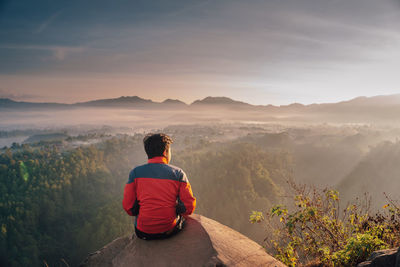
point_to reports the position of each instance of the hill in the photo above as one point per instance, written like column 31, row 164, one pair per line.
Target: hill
column 376, row 174
column 225, row 102
column 244, row 174
column 6, row 103
column 46, row 137
column 174, row 102
column 123, row 101
column 374, row 109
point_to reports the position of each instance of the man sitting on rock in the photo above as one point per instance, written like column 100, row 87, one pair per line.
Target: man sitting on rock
column 157, row 193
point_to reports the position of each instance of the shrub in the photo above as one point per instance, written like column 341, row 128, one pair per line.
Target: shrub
column 316, row 229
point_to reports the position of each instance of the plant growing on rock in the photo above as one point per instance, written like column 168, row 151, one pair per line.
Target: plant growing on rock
column 317, row 230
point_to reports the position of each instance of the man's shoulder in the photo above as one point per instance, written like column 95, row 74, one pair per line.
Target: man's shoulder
column 174, row 168
column 140, row 167
column 180, row 173
column 151, row 165
column 162, row 171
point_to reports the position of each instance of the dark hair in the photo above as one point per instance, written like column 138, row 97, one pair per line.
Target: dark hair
column 156, row 144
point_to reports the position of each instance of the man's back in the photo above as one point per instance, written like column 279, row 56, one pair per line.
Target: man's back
column 159, row 189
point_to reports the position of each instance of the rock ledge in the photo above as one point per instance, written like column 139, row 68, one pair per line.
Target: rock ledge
column 383, row 258
column 203, row 242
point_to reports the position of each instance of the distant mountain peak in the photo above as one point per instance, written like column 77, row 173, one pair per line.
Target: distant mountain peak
column 120, row 101
column 170, row 101
column 381, row 100
column 130, row 97
column 7, row 100
column 218, row 100
column 299, row 105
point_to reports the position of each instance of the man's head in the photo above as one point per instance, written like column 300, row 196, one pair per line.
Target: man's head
column 157, row 145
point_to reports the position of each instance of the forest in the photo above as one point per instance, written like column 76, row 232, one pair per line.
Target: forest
column 59, row 202
column 61, row 205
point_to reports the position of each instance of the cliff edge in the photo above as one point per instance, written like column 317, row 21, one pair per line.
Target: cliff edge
column 203, row 242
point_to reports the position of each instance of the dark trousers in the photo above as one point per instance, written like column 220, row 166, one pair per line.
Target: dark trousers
column 180, row 223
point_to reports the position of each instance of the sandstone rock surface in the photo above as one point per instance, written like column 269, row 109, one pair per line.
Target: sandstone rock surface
column 203, row 242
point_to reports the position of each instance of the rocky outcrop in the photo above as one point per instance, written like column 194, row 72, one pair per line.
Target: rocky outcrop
column 203, row 242
column 383, row 258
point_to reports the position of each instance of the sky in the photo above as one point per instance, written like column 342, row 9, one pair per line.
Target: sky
column 260, row 52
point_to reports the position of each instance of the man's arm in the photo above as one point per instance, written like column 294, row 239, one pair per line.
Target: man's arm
column 129, row 203
column 186, row 200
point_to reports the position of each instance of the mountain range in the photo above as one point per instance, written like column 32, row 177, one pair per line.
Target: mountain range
column 123, row 102
column 136, row 101
column 376, row 109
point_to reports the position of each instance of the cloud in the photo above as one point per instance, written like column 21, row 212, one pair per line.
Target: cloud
column 47, row 22
column 58, row 52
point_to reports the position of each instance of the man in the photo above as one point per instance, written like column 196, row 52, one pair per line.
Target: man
column 157, row 193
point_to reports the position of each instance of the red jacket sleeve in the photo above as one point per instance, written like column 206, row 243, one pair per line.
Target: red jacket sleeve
column 186, row 196
column 129, row 195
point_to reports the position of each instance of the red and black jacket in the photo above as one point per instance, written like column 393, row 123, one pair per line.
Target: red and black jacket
column 156, row 192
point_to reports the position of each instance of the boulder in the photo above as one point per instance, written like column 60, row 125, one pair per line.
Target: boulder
column 203, row 242
column 383, row 258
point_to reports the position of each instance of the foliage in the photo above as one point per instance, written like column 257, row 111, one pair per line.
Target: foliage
column 60, row 205
column 232, row 179
column 317, row 228
column 256, row 217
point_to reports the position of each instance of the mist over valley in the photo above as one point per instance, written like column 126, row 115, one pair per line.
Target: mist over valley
column 311, row 147
column 238, row 158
